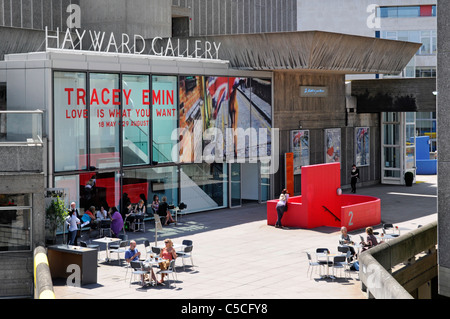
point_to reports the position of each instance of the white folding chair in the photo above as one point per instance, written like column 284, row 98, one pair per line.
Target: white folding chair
column 339, row 263
column 170, row 270
column 138, row 270
column 312, row 264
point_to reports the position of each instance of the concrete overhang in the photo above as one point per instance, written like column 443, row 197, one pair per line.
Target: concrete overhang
column 394, row 95
column 314, row 51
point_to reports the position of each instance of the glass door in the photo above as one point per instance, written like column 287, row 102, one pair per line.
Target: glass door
column 398, row 154
column 410, row 142
column 391, row 155
column 235, row 185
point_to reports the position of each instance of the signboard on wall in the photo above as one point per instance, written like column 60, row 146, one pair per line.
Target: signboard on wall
column 289, row 172
column 313, row 91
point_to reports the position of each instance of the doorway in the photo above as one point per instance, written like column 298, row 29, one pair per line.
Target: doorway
column 249, row 183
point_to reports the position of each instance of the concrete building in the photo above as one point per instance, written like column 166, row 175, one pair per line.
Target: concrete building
column 443, row 159
column 291, row 81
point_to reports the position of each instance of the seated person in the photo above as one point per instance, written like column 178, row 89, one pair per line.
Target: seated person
column 155, row 203
column 116, row 221
column 132, row 254
column 371, row 239
column 163, row 210
column 167, row 253
column 140, row 208
column 91, row 212
column 345, row 240
column 102, row 213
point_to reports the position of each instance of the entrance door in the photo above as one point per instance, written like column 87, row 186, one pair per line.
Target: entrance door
column 398, row 146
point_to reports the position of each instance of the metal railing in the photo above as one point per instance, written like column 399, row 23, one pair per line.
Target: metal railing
column 377, row 269
column 21, row 127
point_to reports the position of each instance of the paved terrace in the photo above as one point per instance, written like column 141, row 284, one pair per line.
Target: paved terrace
column 238, row 256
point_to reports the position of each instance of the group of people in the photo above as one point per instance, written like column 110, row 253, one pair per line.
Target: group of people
column 92, row 217
column 167, row 254
column 346, row 241
column 162, row 209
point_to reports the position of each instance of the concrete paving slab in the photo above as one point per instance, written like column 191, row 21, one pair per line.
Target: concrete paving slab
column 238, row 256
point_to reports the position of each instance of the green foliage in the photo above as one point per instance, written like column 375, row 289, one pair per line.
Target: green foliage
column 56, row 213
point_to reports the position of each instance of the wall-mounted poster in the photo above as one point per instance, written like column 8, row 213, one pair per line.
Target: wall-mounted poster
column 300, row 148
column 362, row 147
column 332, row 145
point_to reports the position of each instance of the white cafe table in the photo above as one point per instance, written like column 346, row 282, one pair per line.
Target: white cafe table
column 327, row 256
column 107, row 241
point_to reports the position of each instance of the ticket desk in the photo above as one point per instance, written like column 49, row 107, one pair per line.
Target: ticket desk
column 64, row 259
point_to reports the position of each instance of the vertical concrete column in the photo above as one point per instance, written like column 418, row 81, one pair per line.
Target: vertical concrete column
column 443, row 142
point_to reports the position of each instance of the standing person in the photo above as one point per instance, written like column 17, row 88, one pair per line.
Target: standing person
column 167, row 253
column 116, row 221
column 354, row 175
column 281, row 207
column 72, row 209
column 73, row 221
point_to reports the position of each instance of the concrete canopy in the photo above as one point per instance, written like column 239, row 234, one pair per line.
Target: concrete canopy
column 314, row 51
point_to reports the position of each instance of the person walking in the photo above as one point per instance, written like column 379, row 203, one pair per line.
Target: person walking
column 354, row 177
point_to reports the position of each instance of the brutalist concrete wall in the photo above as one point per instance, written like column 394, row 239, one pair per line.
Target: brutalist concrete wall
column 213, row 17
column 16, row 268
column 443, row 116
column 148, row 18
column 292, row 112
column 35, row 14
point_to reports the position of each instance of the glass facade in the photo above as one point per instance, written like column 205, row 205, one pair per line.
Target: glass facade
column 136, row 136
column 104, row 115
column 70, row 114
column 136, row 120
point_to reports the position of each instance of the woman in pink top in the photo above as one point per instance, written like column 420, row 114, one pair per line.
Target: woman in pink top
column 167, row 253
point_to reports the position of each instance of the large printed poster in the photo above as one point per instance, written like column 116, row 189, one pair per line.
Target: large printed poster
column 332, row 145
column 362, row 146
column 300, row 149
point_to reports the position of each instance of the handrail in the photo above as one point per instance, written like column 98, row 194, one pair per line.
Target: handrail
column 377, row 262
column 336, row 218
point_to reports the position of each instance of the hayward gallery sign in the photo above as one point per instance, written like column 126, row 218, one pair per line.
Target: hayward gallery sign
column 100, row 41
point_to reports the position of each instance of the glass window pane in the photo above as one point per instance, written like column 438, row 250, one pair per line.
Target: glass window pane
column 203, row 186
column 104, row 120
column 136, row 128
column 164, row 118
column 389, row 173
column 146, row 183
column 388, row 12
column 15, row 229
column 426, row 42
column 391, row 134
column 70, row 116
column 403, row 35
column 409, row 12
column 390, row 117
column 192, row 99
column 392, row 157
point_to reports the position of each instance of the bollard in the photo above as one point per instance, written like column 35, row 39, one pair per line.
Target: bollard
column 42, row 276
